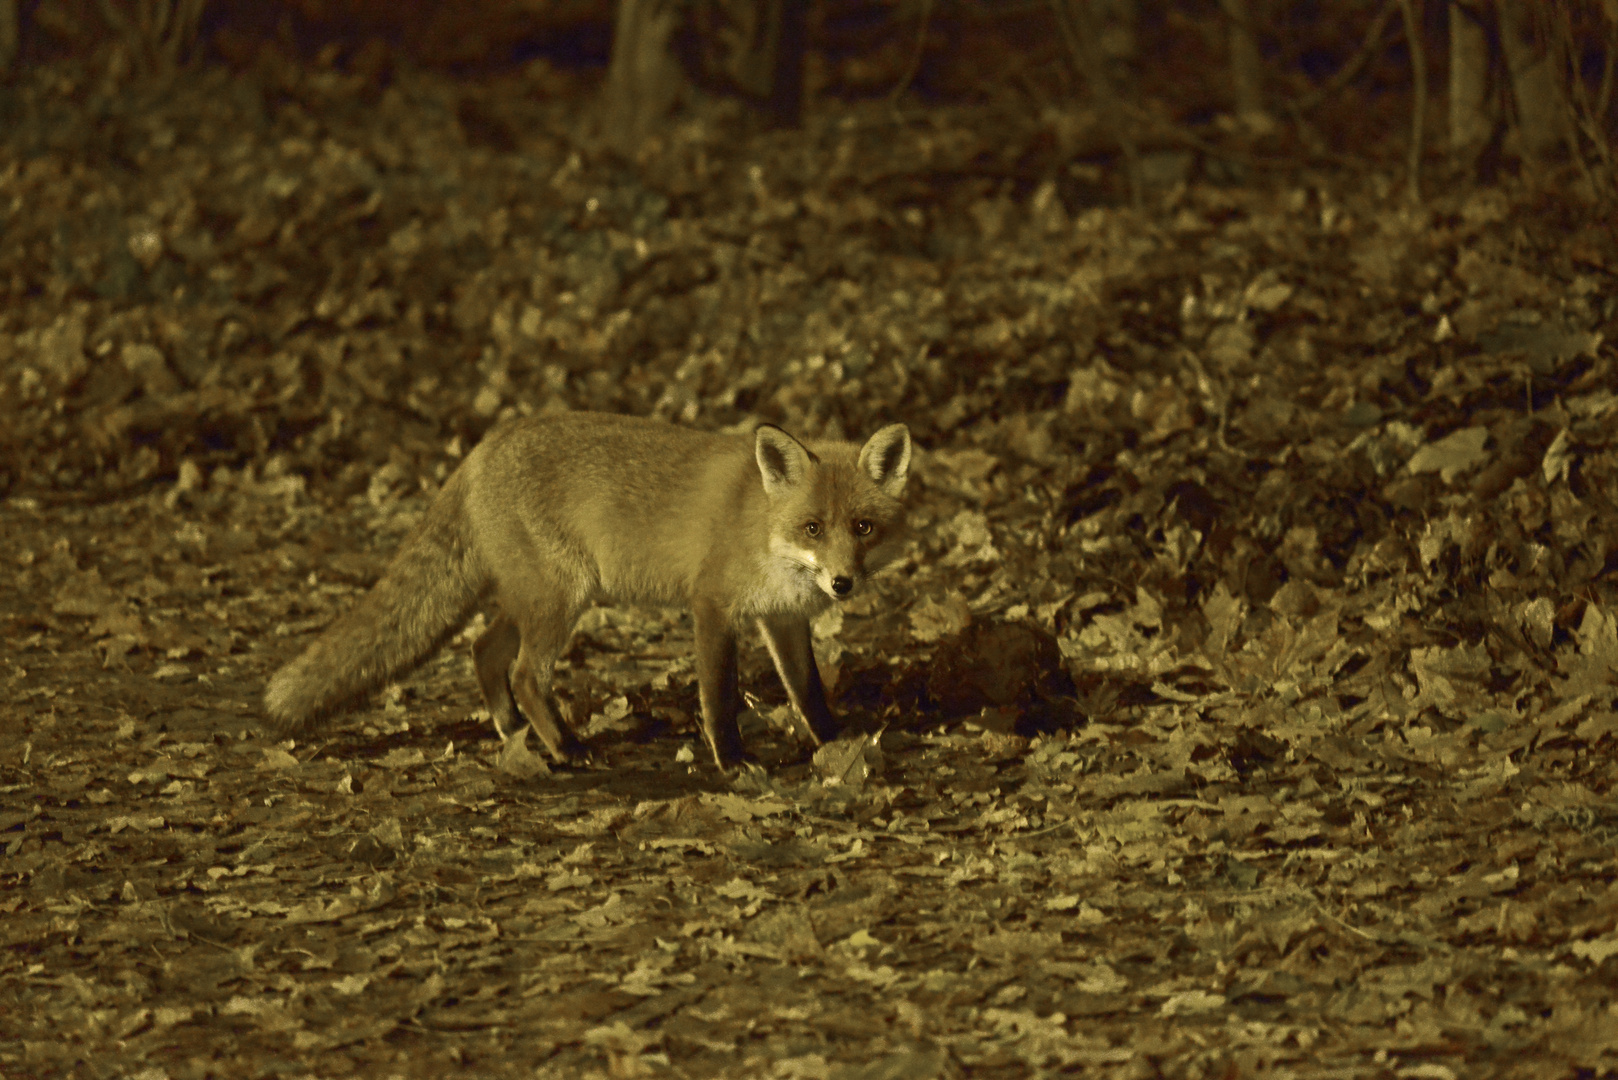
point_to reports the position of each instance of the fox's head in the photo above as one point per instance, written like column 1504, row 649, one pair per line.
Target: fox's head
column 835, row 515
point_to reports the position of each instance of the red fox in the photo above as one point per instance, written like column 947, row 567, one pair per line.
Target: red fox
column 548, row 515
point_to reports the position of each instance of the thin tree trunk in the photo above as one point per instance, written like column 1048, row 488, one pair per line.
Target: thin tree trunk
column 1543, row 121
column 1076, row 20
column 643, row 78
column 1246, row 67
column 1418, row 106
column 768, row 64
column 9, row 35
column 1469, row 116
column 786, row 82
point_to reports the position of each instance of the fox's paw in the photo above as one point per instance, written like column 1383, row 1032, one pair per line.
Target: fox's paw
column 578, row 755
column 740, row 763
column 516, row 758
column 568, row 749
column 519, row 761
column 749, row 777
column 564, row 747
column 506, row 725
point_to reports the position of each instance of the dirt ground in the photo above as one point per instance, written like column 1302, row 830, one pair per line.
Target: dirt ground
column 1243, row 704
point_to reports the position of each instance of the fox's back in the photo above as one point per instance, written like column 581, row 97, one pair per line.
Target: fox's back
column 635, row 505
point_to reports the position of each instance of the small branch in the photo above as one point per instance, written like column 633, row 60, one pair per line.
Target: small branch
column 915, row 54
column 1348, row 71
column 182, row 31
column 113, row 18
column 1604, row 94
column 1585, row 119
column 158, row 33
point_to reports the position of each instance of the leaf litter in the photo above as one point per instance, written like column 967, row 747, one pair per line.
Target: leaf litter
column 1244, row 702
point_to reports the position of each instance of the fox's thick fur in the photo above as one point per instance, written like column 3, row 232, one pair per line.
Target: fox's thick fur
column 548, row 515
column 426, row 594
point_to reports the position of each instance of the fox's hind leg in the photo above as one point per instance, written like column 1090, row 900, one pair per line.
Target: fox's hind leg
column 717, row 688
column 543, row 634
column 492, row 656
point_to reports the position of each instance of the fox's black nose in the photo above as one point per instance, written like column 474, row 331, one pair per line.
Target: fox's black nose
column 842, row 586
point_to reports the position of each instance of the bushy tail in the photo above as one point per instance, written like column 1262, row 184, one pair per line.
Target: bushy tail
column 426, row 594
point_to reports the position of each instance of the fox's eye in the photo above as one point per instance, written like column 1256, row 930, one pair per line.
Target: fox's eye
column 862, row 528
column 812, row 529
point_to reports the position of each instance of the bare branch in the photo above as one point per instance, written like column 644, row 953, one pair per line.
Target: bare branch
column 915, row 54
column 1347, row 73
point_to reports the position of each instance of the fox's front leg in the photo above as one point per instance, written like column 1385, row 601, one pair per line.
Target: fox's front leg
column 492, row 656
column 788, row 640
column 717, row 688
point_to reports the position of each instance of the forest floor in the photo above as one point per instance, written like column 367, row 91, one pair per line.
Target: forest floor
column 1243, row 704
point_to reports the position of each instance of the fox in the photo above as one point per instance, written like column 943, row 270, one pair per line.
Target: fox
column 548, row 515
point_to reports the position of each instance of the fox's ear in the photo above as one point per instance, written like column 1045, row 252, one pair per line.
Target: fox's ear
column 782, row 460
column 885, row 458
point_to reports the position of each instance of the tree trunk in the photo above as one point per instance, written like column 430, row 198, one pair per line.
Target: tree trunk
column 9, row 35
column 757, row 47
column 644, row 79
column 1543, row 122
column 1470, row 119
column 1418, row 107
column 786, row 82
column 761, row 52
column 1246, row 67
column 1078, row 22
